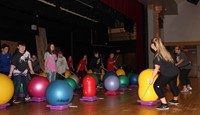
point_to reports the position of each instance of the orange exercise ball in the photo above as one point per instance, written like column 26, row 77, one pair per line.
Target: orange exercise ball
column 67, row 73
column 43, row 74
column 89, row 71
column 120, row 72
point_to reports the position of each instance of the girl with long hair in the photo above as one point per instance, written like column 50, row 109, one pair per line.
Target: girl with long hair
column 165, row 67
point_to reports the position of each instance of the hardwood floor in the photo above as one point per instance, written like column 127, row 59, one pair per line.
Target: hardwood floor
column 122, row 104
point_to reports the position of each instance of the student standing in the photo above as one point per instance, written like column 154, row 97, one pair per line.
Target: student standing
column 5, row 58
column 61, row 64
column 185, row 66
column 165, row 67
column 20, row 65
column 50, row 62
column 111, row 63
column 95, row 64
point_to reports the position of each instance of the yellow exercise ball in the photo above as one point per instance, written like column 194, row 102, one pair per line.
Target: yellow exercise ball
column 43, row 74
column 67, row 73
column 89, row 71
column 102, row 71
column 101, row 76
column 145, row 91
column 120, row 72
column 178, row 81
column 6, row 89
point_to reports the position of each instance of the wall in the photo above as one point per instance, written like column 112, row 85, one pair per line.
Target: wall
column 185, row 26
column 183, row 29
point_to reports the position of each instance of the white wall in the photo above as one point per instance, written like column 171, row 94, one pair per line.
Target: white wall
column 185, row 26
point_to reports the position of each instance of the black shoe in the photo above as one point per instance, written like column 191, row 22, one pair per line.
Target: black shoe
column 15, row 101
column 162, row 107
column 173, row 102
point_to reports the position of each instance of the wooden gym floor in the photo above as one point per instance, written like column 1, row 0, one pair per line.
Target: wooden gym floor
column 123, row 104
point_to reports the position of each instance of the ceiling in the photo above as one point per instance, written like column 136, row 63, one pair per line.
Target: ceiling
column 19, row 15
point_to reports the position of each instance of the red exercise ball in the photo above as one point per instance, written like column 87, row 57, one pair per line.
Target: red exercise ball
column 37, row 86
column 89, row 86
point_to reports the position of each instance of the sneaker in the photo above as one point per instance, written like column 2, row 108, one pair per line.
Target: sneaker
column 27, row 98
column 173, row 102
column 15, row 101
column 184, row 91
column 189, row 88
column 162, row 107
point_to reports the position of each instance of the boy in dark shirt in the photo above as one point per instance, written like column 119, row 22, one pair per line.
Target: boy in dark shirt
column 95, row 64
column 20, row 64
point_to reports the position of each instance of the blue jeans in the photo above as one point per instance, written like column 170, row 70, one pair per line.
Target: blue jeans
column 51, row 76
column 18, row 80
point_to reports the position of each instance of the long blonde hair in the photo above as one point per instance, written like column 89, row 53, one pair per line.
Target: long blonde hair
column 161, row 51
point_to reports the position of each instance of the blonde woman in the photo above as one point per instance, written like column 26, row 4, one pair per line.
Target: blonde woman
column 165, row 67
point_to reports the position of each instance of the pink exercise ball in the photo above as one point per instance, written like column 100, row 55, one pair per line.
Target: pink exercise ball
column 37, row 86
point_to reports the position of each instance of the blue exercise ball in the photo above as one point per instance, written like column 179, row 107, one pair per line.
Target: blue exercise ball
column 59, row 92
column 133, row 79
column 106, row 75
column 112, row 83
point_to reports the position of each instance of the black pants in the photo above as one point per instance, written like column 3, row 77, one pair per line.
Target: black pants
column 161, row 83
column 184, row 78
column 81, row 75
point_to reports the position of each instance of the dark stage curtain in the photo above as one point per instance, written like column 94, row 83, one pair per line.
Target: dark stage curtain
column 134, row 10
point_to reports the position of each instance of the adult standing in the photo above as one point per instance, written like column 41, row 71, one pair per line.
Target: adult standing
column 185, row 66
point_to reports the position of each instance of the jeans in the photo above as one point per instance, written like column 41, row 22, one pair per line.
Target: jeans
column 18, row 80
column 51, row 76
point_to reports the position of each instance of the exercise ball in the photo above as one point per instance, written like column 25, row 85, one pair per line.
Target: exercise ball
column 21, row 88
column 43, row 74
column 71, row 82
column 124, row 81
column 96, row 78
column 101, row 77
column 67, row 73
column 89, row 86
column 89, row 71
column 133, row 79
column 102, row 74
column 178, row 81
column 107, row 74
column 112, row 83
column 37, row 86
column 120, row 72
column 75, row 78
column 102, row 71
column 145, row 90
column 129, row 74
column 6, row 89
column 59, row 92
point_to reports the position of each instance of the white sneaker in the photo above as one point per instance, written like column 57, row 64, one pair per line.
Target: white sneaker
column 189, row 88
column 27, row 98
